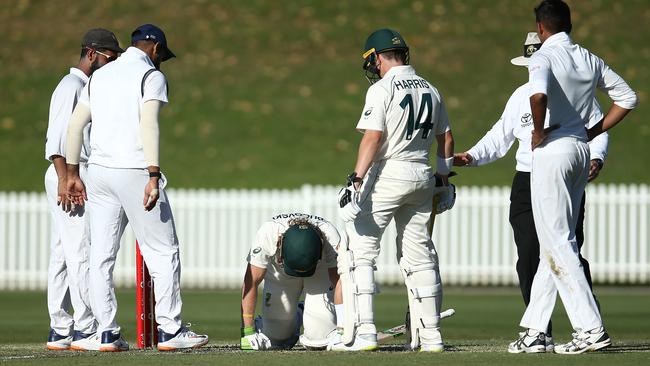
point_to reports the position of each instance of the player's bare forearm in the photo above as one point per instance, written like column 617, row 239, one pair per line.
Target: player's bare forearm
column 445, row 145
column 538, row 104
column 367, row 150
column 444, row 152
column 59, row 166
column 252, row 279
column 62, row 186
column 611, row 119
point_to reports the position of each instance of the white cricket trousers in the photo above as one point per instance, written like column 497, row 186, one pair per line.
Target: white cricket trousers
column 280, row 305
column 558, row 178
column 67, row 280
column 403, row 191
column 115, row 199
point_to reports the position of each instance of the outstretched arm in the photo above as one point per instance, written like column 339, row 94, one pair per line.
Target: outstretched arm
column 252, row 279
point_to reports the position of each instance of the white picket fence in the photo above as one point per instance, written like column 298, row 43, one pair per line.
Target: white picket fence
column 216, row 229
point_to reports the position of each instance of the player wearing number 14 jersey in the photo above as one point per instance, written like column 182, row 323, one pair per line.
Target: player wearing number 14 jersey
column 393, row 179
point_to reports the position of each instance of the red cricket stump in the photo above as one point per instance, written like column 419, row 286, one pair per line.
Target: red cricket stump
column 147, row 328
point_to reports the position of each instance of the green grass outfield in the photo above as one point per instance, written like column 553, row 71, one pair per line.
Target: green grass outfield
column 266, row 94
column 485, row 321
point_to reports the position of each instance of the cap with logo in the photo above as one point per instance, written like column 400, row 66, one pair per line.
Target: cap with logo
column 531, row 45
column 301, row 250
column 100, row 38
column 155, row 34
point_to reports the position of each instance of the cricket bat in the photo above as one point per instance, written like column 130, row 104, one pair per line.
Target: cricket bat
column 391, row 333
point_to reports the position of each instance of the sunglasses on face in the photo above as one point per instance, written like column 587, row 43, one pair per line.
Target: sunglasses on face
column 109, row 58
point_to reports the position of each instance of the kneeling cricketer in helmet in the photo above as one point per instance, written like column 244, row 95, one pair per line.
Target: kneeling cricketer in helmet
column 293, row 253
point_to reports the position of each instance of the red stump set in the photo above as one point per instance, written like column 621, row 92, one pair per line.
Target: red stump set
column 147, row 328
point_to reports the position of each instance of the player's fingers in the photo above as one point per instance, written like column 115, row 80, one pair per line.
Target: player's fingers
column 151, row 203
column 459, row 160
column 151, row 199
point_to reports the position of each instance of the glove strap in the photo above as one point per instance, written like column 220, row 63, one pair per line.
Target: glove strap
column 352, row 178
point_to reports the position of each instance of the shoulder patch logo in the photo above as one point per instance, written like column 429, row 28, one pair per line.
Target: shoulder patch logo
column 367, row 112
column 257, row 250
column 526, row 119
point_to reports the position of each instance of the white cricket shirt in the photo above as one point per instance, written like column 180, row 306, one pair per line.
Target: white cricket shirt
column 64, row 99
column 264, row 250
column 410, row 112
column 114, row 96
column 569, row 75
column 516, row 123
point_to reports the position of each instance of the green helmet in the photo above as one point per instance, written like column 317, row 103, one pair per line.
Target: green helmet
column 302, row 246
column 379, row 41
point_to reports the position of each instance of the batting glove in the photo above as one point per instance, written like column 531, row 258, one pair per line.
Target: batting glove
column 349, row 199
column 252, row 340
column 446, row 198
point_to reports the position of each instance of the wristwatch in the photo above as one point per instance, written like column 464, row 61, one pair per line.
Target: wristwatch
column 155, row 175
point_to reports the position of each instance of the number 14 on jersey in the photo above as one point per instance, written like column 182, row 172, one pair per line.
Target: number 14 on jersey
column 414, row 124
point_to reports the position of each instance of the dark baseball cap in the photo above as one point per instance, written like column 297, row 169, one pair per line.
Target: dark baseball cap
column 301, row 250
column 100, row 38
column 153, row 33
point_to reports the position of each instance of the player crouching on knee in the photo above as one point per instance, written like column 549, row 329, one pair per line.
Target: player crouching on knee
column 294, row 254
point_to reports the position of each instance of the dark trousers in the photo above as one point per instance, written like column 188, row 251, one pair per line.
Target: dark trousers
column 523, row 226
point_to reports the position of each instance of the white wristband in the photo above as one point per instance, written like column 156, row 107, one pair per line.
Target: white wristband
column 443, row 165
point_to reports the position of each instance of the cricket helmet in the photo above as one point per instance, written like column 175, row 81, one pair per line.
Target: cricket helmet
column 302, row 247
column 381, row 40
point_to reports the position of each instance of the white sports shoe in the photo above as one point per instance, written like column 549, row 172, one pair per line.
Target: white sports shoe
column 57, row 342
column 550, row 345
column 591, row 340
column 183, row 339
column 86, row 341
column 431, row 341
column 113, row 342
column 530, row 341
column 362, row 342
column 334, row 337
